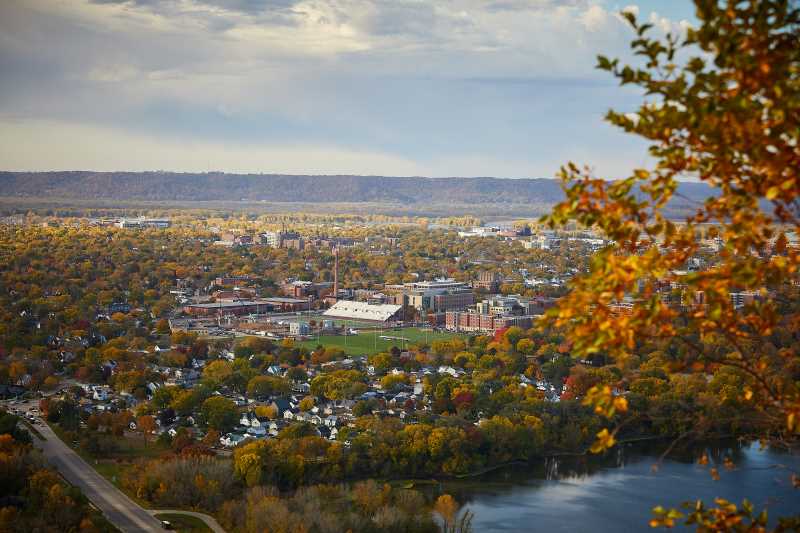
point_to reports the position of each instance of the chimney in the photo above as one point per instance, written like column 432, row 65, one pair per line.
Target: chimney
column 336, row 274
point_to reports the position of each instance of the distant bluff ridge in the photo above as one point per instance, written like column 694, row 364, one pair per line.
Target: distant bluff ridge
column 218, row 186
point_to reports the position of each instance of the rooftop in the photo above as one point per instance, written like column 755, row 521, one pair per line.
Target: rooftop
column 362, row 310
column 223, row 305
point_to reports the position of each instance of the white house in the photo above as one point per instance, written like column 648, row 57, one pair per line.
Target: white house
column 257, row 431
column 231, row 440
column 100, row 393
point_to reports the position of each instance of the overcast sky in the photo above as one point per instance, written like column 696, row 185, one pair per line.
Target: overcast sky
column 394, row 87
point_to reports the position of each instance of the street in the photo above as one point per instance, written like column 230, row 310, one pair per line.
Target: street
column 120, row 510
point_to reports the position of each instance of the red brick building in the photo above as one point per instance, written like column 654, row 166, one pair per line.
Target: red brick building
column 473, row 321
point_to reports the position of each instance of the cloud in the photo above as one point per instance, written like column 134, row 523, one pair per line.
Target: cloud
column 251, row 7
column 595, row 18
column 72, row 145
column 410, row 83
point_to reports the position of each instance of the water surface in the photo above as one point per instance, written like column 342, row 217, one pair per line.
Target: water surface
column 617, row 493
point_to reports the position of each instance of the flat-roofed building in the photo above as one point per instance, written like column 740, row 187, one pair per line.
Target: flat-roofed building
column 364, row 312
column 435, row 296
column 142, row 222
column 237, row 308
column 498, row 312
column 473, row 321
column 288, row 305
column 303, row 289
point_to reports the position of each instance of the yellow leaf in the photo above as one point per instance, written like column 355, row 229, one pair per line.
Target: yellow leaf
column 772, row 193
column 620, row 404
column 605, row 440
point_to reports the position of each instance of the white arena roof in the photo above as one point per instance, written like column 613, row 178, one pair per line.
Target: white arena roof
column 362, row 311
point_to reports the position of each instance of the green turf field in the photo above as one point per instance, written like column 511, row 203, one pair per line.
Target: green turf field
column 369, row 342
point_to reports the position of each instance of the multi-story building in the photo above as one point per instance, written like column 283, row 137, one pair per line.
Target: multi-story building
column 272, row 238
column 433, row 296
column 304, row 289
column 294, row 244
column 498, row 312
column 488, row 281
column 743, row 298
column 282, row 239
column 472, row 321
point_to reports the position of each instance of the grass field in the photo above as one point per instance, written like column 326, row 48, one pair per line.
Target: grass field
column 369, row 342
column 184, row 523
column 112, row 466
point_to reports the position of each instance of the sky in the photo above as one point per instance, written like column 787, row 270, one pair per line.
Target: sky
column 502, row 88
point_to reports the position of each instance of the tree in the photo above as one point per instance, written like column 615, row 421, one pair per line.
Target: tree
column 211, row 438
column 297, row 374
column 390, row 382
column 147, row 425
column 219, row 413
column 50, row 383
column 261, row 386
column 267, row 411
column 216, row 373
column 526, row 346
column 306, row 404
column 448, row 510
column 723, row 107
column 162, row 327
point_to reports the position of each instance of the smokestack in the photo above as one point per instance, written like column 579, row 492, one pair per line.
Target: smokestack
column 336, row 274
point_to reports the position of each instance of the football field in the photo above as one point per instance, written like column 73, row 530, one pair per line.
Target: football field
column 367, row 342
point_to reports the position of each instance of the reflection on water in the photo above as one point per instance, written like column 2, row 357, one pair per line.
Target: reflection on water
column 617, row 492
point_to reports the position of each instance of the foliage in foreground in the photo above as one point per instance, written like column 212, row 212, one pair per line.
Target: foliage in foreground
column 723, row 106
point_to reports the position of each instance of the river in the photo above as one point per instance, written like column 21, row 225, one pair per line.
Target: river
column 617, row 493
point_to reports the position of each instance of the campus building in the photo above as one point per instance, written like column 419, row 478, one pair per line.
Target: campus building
column 435, row 296
column 365, row 312
column 498, row 312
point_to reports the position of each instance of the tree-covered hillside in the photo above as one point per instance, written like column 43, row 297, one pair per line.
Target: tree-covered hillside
column 166, row 186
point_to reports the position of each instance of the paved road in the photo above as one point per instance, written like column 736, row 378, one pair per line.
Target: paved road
column 120, row 510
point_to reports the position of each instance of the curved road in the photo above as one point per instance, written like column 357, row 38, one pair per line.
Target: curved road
column 209, row 520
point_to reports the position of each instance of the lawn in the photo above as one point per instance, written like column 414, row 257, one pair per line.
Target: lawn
column 369, row 342
column 184, row 523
